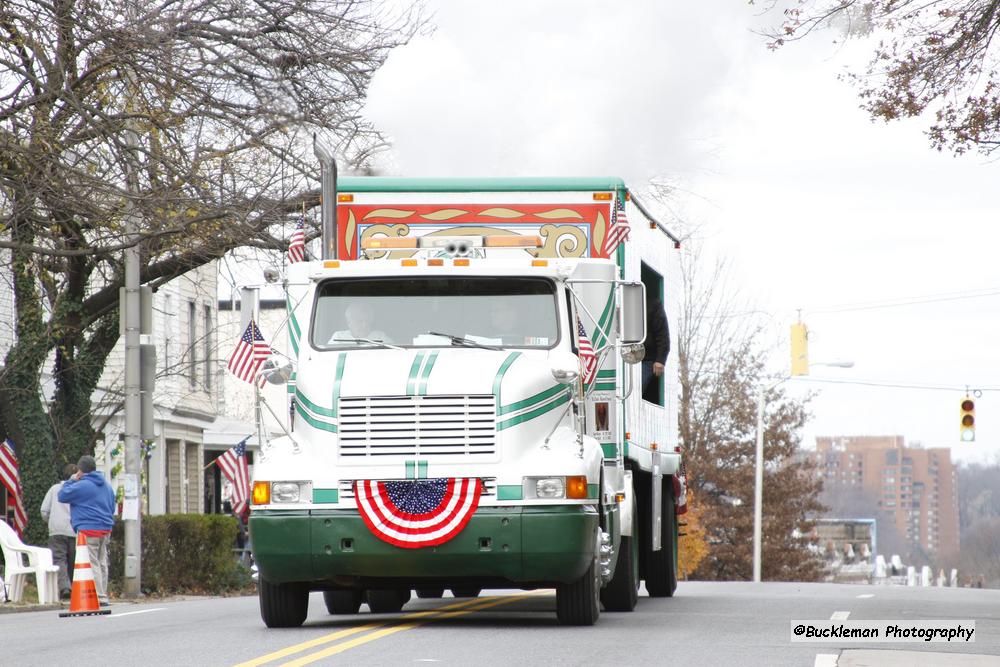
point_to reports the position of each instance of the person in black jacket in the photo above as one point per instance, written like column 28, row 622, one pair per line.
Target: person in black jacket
column 657, row 349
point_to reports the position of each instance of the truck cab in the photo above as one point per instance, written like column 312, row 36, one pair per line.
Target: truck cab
column 458, row 399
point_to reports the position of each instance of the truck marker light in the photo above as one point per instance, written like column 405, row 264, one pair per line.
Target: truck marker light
column 576, row 487
column 435, row 262
column 389, row 242
column 461, row 262
column 619, row 497
column 539, row 262
column 512, row 241
column 331, row 264
column 408, row 262
column 345, row 198
column 261, row 493
column 602, row 196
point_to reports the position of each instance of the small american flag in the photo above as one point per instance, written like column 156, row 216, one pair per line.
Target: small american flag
column 249, row 354
column 297, row 245
column 619, row 229
column 10, row 477
column 588, row 360
column 233, row 465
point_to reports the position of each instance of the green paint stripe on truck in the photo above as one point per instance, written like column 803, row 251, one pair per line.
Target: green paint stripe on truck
column 528, row 416
column 528, row 402
column 414, row 371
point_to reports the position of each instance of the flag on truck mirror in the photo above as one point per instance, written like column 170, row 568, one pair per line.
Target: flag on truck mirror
column 967, row 416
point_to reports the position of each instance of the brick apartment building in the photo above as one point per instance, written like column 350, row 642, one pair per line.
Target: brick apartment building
column 916, row 486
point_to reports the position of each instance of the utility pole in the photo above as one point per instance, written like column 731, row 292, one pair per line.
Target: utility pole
column 132, row 513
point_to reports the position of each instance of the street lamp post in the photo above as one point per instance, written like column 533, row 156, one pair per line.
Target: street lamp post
column 758, row 487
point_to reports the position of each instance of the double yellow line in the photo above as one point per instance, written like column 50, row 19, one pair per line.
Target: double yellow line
column 376, row 631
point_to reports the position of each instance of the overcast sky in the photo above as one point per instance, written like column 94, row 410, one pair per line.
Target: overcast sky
column 816, row 206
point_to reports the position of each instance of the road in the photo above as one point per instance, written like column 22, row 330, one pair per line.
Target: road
column 705, row 624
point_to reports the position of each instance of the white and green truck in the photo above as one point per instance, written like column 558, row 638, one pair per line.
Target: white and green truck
column 465, row 402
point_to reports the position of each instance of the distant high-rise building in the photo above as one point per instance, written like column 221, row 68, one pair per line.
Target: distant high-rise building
column 916, row 486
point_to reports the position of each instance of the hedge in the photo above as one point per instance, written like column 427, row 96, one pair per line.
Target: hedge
column 183, row 553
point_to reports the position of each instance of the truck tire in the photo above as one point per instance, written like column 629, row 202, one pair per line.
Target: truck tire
column 426, row 593
column 466, row 592
column 661, row 566
column 387, row 601
column 283, row 605
column 343, row 602
column 579, row 603
column 622, row 592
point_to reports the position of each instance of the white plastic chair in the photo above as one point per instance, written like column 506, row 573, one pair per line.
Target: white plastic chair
column 21, row 561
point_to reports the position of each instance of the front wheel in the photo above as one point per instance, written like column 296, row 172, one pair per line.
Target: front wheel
column 343, row 602
column 466, row 592
column 430, row 593
column 387, row 601
column 622, row 592
column 283, row 605
column 661, row 566
column 579, row 603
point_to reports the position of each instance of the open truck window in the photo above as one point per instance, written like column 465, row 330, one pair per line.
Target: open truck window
column 434, row 312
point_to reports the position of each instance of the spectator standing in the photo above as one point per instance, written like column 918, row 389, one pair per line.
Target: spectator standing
column 92, row 512
column 657, row 348
column 62, row 537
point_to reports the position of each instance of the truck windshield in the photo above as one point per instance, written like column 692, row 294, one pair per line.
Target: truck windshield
column 436, row 312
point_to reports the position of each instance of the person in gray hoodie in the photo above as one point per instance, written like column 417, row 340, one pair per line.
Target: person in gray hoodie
column 62, row 537
column 92, row 512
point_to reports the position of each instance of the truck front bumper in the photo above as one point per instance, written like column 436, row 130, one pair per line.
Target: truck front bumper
column 520, row 545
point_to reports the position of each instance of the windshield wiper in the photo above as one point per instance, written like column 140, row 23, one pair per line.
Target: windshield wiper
column 466, row 342
column 370, row 341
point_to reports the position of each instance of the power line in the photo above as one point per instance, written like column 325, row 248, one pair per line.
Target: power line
column 908, row 301
column 900, row 385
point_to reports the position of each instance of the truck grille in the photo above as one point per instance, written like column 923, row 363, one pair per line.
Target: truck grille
column 346, row 487
column 431, row 426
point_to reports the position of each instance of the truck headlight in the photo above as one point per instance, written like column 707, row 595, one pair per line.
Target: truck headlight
column 290, row 492
column 550, row 487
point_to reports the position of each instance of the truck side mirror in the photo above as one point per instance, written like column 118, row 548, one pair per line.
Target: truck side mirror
column 632, row 313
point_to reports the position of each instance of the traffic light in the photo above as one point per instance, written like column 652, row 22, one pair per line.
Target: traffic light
column 968, row 417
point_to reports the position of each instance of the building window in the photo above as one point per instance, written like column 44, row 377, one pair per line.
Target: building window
column 168, row 332
column 192, row 344
column 208, row 347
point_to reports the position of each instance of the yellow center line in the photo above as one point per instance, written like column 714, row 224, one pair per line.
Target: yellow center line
column 347, row 632
column 340, row 648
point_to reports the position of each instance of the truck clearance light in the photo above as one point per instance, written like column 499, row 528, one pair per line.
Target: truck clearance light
column 261, row 493
column 435, row 261
column 512, row 241
column 461, row 262
column 539, row 262
column 389, row 242
column 345, row 198
column 407, row 262
column 331, row 264
column 602, row 196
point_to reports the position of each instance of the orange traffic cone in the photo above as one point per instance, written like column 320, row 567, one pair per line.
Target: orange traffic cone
column 83, row 601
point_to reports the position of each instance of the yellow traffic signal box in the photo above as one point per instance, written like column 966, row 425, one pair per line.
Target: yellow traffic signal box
column 967, row 427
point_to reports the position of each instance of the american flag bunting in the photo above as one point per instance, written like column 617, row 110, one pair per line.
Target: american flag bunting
column 412, row 514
